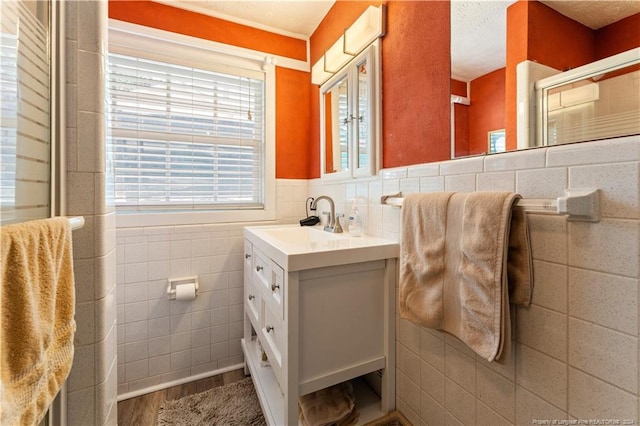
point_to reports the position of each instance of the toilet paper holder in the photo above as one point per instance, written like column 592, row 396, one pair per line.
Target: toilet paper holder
column 174, row 282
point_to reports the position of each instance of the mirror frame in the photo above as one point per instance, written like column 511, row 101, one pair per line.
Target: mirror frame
column 372, row 56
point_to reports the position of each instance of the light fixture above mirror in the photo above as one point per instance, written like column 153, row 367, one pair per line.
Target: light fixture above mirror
column 368, row 27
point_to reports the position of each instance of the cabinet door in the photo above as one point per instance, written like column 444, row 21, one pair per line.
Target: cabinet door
column 277, row 289
column 273, row 340
column 253, row 302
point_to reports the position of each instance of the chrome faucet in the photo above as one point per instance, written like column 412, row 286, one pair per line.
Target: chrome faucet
column 333, row 221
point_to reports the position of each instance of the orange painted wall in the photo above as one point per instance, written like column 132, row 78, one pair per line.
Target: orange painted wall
column 293, row 91
column 157, row 15
column 486, row 111
column 416, row 83
column 556, row 40
column 313, row 146
column 538, row 33
column 517, row 31
column 292, row 124
column 461, row 123
column 458, row 88
column 328, row 133
column 461, row 119
column 618, row 37
column 415, row 78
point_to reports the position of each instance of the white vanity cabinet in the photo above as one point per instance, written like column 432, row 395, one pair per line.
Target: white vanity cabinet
column 321, row 320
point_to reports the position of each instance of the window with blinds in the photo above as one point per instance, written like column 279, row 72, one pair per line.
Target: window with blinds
column 184, row 137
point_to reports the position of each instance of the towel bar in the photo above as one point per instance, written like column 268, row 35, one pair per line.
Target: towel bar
column 580, row 205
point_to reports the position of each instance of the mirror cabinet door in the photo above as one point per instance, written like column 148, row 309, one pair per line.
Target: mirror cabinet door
column 336, row 127
column 363, row 119
column 348, row 120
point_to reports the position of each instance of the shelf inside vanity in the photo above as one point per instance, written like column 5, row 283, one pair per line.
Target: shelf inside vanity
column 272, row 400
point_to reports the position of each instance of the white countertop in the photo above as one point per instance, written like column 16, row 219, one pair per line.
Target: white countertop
column 296, row 247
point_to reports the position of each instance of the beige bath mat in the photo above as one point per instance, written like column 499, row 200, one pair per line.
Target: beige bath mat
column 235, row 404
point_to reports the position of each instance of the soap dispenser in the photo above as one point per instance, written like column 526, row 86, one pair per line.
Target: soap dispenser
column 355, row 221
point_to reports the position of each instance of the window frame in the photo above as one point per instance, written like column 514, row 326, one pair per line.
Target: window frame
column 151, row 43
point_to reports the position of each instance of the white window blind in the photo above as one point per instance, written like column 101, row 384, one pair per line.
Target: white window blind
column 185, row 137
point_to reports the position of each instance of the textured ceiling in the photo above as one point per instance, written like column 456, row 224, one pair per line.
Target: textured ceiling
column 478, row 37
column 296, row 18
column 595, row 14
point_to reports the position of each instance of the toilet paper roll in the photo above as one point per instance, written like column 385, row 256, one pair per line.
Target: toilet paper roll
column 186, row 291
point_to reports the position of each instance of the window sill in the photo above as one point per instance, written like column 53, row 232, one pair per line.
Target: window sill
column 141, row 219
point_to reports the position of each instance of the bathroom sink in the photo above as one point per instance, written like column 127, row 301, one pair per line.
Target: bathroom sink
column 296, row 247
column 306, row 234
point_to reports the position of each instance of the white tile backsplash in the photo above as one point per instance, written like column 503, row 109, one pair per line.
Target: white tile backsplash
column 611, row 246
column 606, row 354
column 496, row 181
column 591, row 398
column 616, row 298
column 462, row 166
column 616, row 182
column 184, row 338
column 603, row 152
column 93, row 377
column 541, row 183
column 529, row 159
column 575, row 353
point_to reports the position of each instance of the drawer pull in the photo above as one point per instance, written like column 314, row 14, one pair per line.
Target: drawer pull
column 259, row 268
column 251, row 297
column 246, row 256
column 274, row 286
column 269, row 328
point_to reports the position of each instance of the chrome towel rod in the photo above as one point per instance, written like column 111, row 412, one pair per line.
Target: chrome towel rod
column 580, row 205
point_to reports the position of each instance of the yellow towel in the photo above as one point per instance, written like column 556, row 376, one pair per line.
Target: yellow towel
column 461, row 256
column 37, row 303
column 334, row 405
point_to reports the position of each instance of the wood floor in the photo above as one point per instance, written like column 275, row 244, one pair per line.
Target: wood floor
column 143, row 410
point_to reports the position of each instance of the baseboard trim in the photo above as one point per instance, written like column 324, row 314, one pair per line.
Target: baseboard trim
column 178, row 382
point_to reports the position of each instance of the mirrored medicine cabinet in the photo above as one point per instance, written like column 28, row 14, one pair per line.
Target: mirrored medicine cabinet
column 350, row 118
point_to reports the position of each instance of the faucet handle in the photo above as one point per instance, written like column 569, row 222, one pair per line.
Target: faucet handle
column 337, row 228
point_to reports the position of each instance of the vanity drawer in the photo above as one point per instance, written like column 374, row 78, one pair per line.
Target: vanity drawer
column 273, row 333
column 253, row 303
column 261, row 270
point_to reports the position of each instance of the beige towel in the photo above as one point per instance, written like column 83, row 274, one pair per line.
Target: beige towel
column 37, row 303
column 331, row 406
column 453, row 267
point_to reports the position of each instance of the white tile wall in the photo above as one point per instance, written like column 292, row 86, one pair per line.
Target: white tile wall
column 159, row 340
column 575, row 354
column 92, row 383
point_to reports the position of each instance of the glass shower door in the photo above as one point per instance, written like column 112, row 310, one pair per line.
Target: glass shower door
column 25, row 114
